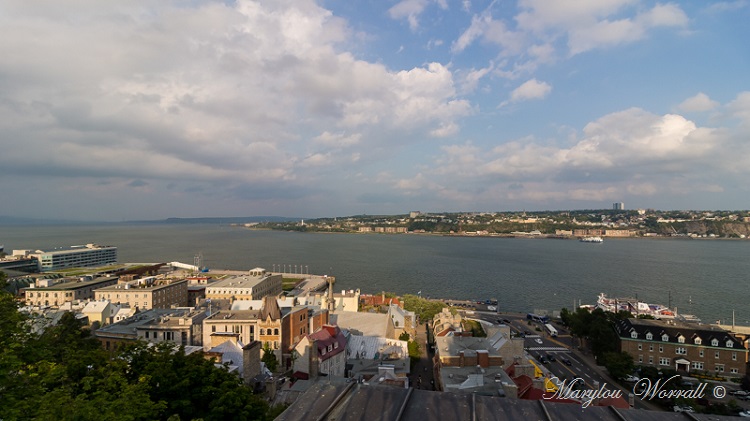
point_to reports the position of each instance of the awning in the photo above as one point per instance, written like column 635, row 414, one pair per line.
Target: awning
column 682, row 361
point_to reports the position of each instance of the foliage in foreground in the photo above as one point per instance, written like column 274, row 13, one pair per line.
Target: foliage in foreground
column 64, row 374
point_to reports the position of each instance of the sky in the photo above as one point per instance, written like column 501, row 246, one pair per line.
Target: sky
column 301, row 108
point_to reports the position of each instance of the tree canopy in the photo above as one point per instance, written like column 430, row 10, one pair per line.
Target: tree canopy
column 63, row 373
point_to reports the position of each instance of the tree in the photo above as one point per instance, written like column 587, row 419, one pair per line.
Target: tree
column 404, row 336
column 619, row 364
column 269, row 357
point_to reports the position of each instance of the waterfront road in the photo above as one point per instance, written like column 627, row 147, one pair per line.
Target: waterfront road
column 539, row 344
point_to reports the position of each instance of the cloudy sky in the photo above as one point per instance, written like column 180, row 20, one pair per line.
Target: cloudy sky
column 155, row 109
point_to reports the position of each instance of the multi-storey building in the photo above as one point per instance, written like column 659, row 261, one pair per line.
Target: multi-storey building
column 76, row 256
column 57, row 294
column 322, row 352
column 685, row 347
column 181, row 326
column 255, row 285
column 147, row 293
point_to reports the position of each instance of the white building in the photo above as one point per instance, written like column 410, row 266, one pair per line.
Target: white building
column 76, row 256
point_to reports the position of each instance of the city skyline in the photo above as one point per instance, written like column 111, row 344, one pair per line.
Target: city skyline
column 304, row 108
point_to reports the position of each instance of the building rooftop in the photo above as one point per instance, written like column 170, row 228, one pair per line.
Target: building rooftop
column 241, row 281
column 365, row 324
column 676, row 331
column 75, row 284
column 360, row 402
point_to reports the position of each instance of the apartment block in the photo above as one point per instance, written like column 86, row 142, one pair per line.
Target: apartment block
column 89, row 255
column 687, row 348
column 254, row 286
column 147, row 293
column 55, row 294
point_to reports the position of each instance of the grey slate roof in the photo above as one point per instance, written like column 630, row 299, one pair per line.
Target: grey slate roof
column 359, row 402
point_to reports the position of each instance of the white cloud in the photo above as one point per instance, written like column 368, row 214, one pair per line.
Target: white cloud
column 531, row 89
column 698, row 103
column 412, row 9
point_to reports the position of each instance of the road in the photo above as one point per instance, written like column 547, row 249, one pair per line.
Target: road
column 581, row 366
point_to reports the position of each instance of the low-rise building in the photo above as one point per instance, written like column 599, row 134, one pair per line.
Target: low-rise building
column 181, row 326
column 685, row 347
column 147, row 293
column 255, row 285
column 90, row 255
column 321, row 352
column 56, row 294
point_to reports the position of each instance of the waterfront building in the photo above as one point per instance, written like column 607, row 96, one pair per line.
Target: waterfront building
column 47, row 292
column 180, row 326
column 255, row 285
column 90, row 255
column 146, row 293
column 685, row 347
column 321, row 352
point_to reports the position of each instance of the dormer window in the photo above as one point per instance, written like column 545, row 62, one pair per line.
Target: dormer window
column 698, row 341
column 714, row 342
column 649, row 336
column 681, row 339
column 665, row 337
column 730, row 344
column 335, row 345
column 634, row 335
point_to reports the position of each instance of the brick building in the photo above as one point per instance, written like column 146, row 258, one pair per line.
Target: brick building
column 687, row 348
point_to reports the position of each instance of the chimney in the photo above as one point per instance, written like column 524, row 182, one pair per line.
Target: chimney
column 483, row 358
column 314, row 359
column 461, row 358
column 251, row 361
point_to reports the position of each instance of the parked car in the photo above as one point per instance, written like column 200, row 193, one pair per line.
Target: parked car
column 551, row 358
column 539, row 341
column 565, row 361
column 744, row 414
column 543, row 359
column 630, row 378
column 739, row 393
column 683, row 408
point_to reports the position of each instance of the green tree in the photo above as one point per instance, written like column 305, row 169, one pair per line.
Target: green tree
column 404, row 336
column 269, row 357
column 619, row 364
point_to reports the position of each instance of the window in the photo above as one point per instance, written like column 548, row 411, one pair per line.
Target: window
column 276, row 331
column 730, row 344
column 714, row 342
column 650, row 359
column 335, row 345
column 649, row 336
column 719, row 368
column 661, row 348
column 146, row 334
column 697, row 365
column 664, row 361
column 680, row 351
column 634, row 335
column 262, row 331
column 698, row 341
column 700, row 352
column 665, row 337
column 734, row 356
column 640, row 358
column 681, row 339
column 640, row 347
column 734, row 371
column 651, row 347
column 716, row 354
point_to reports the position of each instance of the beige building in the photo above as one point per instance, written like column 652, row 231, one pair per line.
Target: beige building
column 254, row 286
column 687, row 348
column 181, row 326
column 147, row 293
column 57, row 294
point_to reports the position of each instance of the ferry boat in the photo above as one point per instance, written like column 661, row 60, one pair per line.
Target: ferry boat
column 635, row 307
column 592, row 240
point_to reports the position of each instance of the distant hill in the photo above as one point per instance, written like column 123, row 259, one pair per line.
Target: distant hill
column 221, row 220
column 16, row 220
